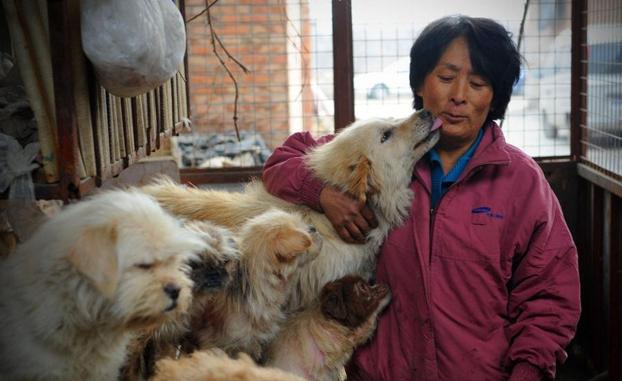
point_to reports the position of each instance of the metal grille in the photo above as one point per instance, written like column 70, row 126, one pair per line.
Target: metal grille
column 538, row 116
column 601, row 139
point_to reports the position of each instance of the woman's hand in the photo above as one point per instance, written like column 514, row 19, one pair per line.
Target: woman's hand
column 351, row 218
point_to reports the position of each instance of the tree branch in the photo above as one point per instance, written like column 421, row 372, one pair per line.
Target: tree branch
column 208, row 6
column 213, row 39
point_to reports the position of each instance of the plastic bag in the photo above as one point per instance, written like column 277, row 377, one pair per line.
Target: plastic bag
column 134, row 45
column 16, row 163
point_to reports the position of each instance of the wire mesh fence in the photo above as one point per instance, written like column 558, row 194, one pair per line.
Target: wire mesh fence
column 601, row 130
column 287, row 47
column 538, row 115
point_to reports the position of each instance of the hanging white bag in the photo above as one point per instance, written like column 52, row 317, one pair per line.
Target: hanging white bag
column 134, row 45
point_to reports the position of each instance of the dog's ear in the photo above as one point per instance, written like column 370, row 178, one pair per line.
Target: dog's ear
column 289, row 243
column 94, row 255
column 362, row 180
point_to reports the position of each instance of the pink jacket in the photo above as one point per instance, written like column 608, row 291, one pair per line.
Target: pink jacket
column 486, row 287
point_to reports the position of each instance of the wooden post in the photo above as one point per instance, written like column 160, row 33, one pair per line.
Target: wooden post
column 66, row 121
column 343, row 65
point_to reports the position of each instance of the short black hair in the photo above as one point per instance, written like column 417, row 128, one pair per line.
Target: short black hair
column 493, row 55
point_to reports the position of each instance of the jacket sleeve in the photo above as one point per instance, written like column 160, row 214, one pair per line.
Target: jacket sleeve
column 286, row 176
column 544, row 302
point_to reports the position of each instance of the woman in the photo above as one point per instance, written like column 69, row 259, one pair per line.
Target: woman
column 484, row 271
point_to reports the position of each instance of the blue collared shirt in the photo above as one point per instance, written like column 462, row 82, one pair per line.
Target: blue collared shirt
column 441, row 181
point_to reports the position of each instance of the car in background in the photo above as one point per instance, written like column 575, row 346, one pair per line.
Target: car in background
column 391, row 81
column 604, row 84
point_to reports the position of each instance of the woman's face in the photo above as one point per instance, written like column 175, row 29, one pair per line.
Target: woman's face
column 461, row 98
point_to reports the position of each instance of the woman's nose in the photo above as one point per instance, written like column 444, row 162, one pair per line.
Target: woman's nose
column 458, row 91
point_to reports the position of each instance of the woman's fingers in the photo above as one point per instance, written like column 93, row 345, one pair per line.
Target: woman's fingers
column 357, row 233
column 351, row 219
column 344, row 233
column 369, row 216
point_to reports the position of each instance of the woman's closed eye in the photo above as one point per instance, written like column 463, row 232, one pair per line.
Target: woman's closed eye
column 478, row 84
column 445, row 78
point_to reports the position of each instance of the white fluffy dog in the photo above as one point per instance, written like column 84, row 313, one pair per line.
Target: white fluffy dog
column 211, row 271
column 72, row 296
column 372, row 159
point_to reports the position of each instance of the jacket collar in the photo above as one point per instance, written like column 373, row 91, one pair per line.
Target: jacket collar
column 491, row 151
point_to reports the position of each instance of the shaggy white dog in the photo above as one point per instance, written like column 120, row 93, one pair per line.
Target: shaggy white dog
column 372, row 159
column 211, row 270
column 72, row 296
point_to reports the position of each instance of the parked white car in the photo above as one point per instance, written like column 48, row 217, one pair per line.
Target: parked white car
column 391, row 81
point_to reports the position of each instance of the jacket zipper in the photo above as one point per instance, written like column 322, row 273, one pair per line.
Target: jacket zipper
column 432, row 218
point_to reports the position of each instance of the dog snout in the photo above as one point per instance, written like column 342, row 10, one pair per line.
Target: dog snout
column 172, row 290
column 312, row 229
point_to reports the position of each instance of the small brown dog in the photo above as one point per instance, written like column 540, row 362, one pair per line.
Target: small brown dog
column 211, row 270
column 318, row 342
column 248, row 313
column 215, row 365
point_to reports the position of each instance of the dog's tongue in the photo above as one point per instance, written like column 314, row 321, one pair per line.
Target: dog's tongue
column 436, row 125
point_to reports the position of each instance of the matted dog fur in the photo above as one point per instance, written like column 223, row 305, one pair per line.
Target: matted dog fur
column 247, row 314
column 73, row 295
column 372, row 159
column 215, row 365
column 317, row 343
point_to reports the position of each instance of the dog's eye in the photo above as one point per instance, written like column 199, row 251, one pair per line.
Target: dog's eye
column 144, row 266
column 386, row 135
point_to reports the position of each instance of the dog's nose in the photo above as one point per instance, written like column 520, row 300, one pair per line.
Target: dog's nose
column 312, row 229
column 172, row 290
column 426, row 114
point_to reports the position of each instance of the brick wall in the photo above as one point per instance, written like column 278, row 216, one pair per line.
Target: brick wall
column 256, row 33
